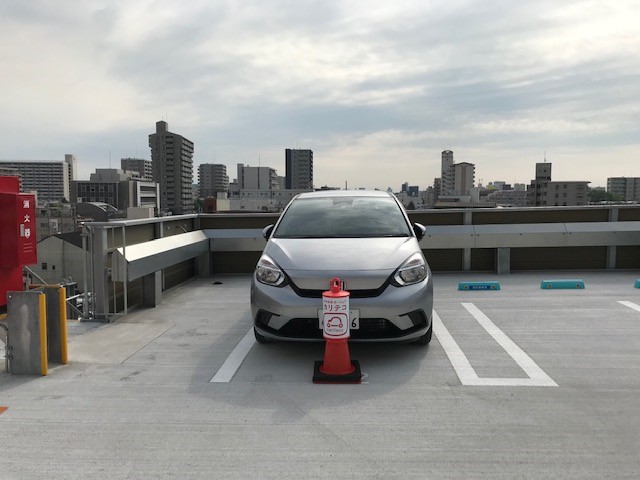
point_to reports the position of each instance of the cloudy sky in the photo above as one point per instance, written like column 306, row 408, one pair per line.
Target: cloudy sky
column 376, row 89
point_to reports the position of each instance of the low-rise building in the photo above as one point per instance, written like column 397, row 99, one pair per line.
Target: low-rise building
column 119, row 188
column 543, row 192
column 55, row 219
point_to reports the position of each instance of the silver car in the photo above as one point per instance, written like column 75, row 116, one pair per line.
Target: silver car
column 363, row 237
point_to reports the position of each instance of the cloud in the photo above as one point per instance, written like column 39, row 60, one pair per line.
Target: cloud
column 382, row 86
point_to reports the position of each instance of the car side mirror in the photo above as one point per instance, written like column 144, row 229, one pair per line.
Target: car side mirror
column 266, row 231
column 420, row 230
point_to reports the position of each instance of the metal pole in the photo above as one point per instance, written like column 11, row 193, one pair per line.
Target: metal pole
column 113, row 281
column 85, row 307
column 91, row 272
column 126, row 273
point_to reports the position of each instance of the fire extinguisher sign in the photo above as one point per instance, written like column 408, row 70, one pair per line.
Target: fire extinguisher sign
column 335, row 315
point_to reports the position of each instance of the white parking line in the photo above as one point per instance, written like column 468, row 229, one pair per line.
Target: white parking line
column 464, row 370
column 230, row 366
column 631, row 305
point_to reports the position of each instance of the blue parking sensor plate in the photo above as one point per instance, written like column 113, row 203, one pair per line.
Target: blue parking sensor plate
column 637, row 285
column 479, row 286
column 572, row 283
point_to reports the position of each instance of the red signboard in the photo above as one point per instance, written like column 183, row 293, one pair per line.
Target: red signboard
column 18, row 237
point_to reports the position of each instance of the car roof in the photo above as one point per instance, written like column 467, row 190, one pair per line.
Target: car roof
column 344, row 193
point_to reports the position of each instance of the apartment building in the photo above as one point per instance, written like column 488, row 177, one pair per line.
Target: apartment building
column 172, row 161
column 626, row 189
column 144, row 168
column 456, row 179
column 212, row 179
column 256, row 178
column 50, row 179
column 543, row 192
column 298, row 169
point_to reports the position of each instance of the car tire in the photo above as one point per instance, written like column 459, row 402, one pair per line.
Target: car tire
column 260, row 338
column 426, row 338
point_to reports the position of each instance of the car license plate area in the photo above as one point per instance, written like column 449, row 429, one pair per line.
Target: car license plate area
column 354, row 319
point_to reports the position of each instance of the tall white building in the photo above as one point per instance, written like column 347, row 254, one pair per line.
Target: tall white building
column 463, row 178
column 446, row 173
column 50, row 179
column 457, row 179
column 256, row 178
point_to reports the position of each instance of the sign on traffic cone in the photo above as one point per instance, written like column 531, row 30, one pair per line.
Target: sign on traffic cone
column 337, row 366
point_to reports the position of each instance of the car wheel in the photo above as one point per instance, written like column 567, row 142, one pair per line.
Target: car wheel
column 260, row 338
column 426, row 338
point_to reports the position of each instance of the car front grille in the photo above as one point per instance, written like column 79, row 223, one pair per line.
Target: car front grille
column 369, row 293
column 370, row 328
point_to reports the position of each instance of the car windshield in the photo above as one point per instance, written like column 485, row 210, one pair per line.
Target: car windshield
column 354, row 217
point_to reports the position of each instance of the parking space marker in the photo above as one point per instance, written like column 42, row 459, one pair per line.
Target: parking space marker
column 233, row 361
column 631, row 305
column 458, row 359
column 466, row 373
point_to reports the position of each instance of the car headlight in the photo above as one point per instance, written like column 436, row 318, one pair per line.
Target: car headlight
column 267, row 272
column 413, row 270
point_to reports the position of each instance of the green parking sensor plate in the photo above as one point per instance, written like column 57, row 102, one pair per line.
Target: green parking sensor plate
column 563, row 284
column 479, row 286
column 637, row 285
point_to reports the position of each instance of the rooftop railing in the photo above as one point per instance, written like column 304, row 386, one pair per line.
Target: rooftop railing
column 133, row 261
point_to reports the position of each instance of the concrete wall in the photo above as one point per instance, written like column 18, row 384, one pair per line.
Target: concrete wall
column 62, row 259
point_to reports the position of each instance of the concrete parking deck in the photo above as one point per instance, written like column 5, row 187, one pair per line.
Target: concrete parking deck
column 517, row 383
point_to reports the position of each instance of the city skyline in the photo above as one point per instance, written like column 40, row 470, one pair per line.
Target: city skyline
column 377, row 91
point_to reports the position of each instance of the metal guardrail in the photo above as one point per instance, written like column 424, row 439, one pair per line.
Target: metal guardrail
column 149, row 257
column 76, row 310
column 456, row 240
column 579, row 234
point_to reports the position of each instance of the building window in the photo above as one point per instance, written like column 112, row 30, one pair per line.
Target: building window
column 44, row 265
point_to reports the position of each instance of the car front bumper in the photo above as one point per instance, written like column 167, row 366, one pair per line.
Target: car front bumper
column 397, row 314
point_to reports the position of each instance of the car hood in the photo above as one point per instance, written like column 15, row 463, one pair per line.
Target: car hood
column 362, row 262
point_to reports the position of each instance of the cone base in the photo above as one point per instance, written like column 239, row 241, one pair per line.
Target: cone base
column 353, row 377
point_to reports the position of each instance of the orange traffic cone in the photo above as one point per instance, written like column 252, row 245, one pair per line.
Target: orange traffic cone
column 337, row 366
column 337, row 360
